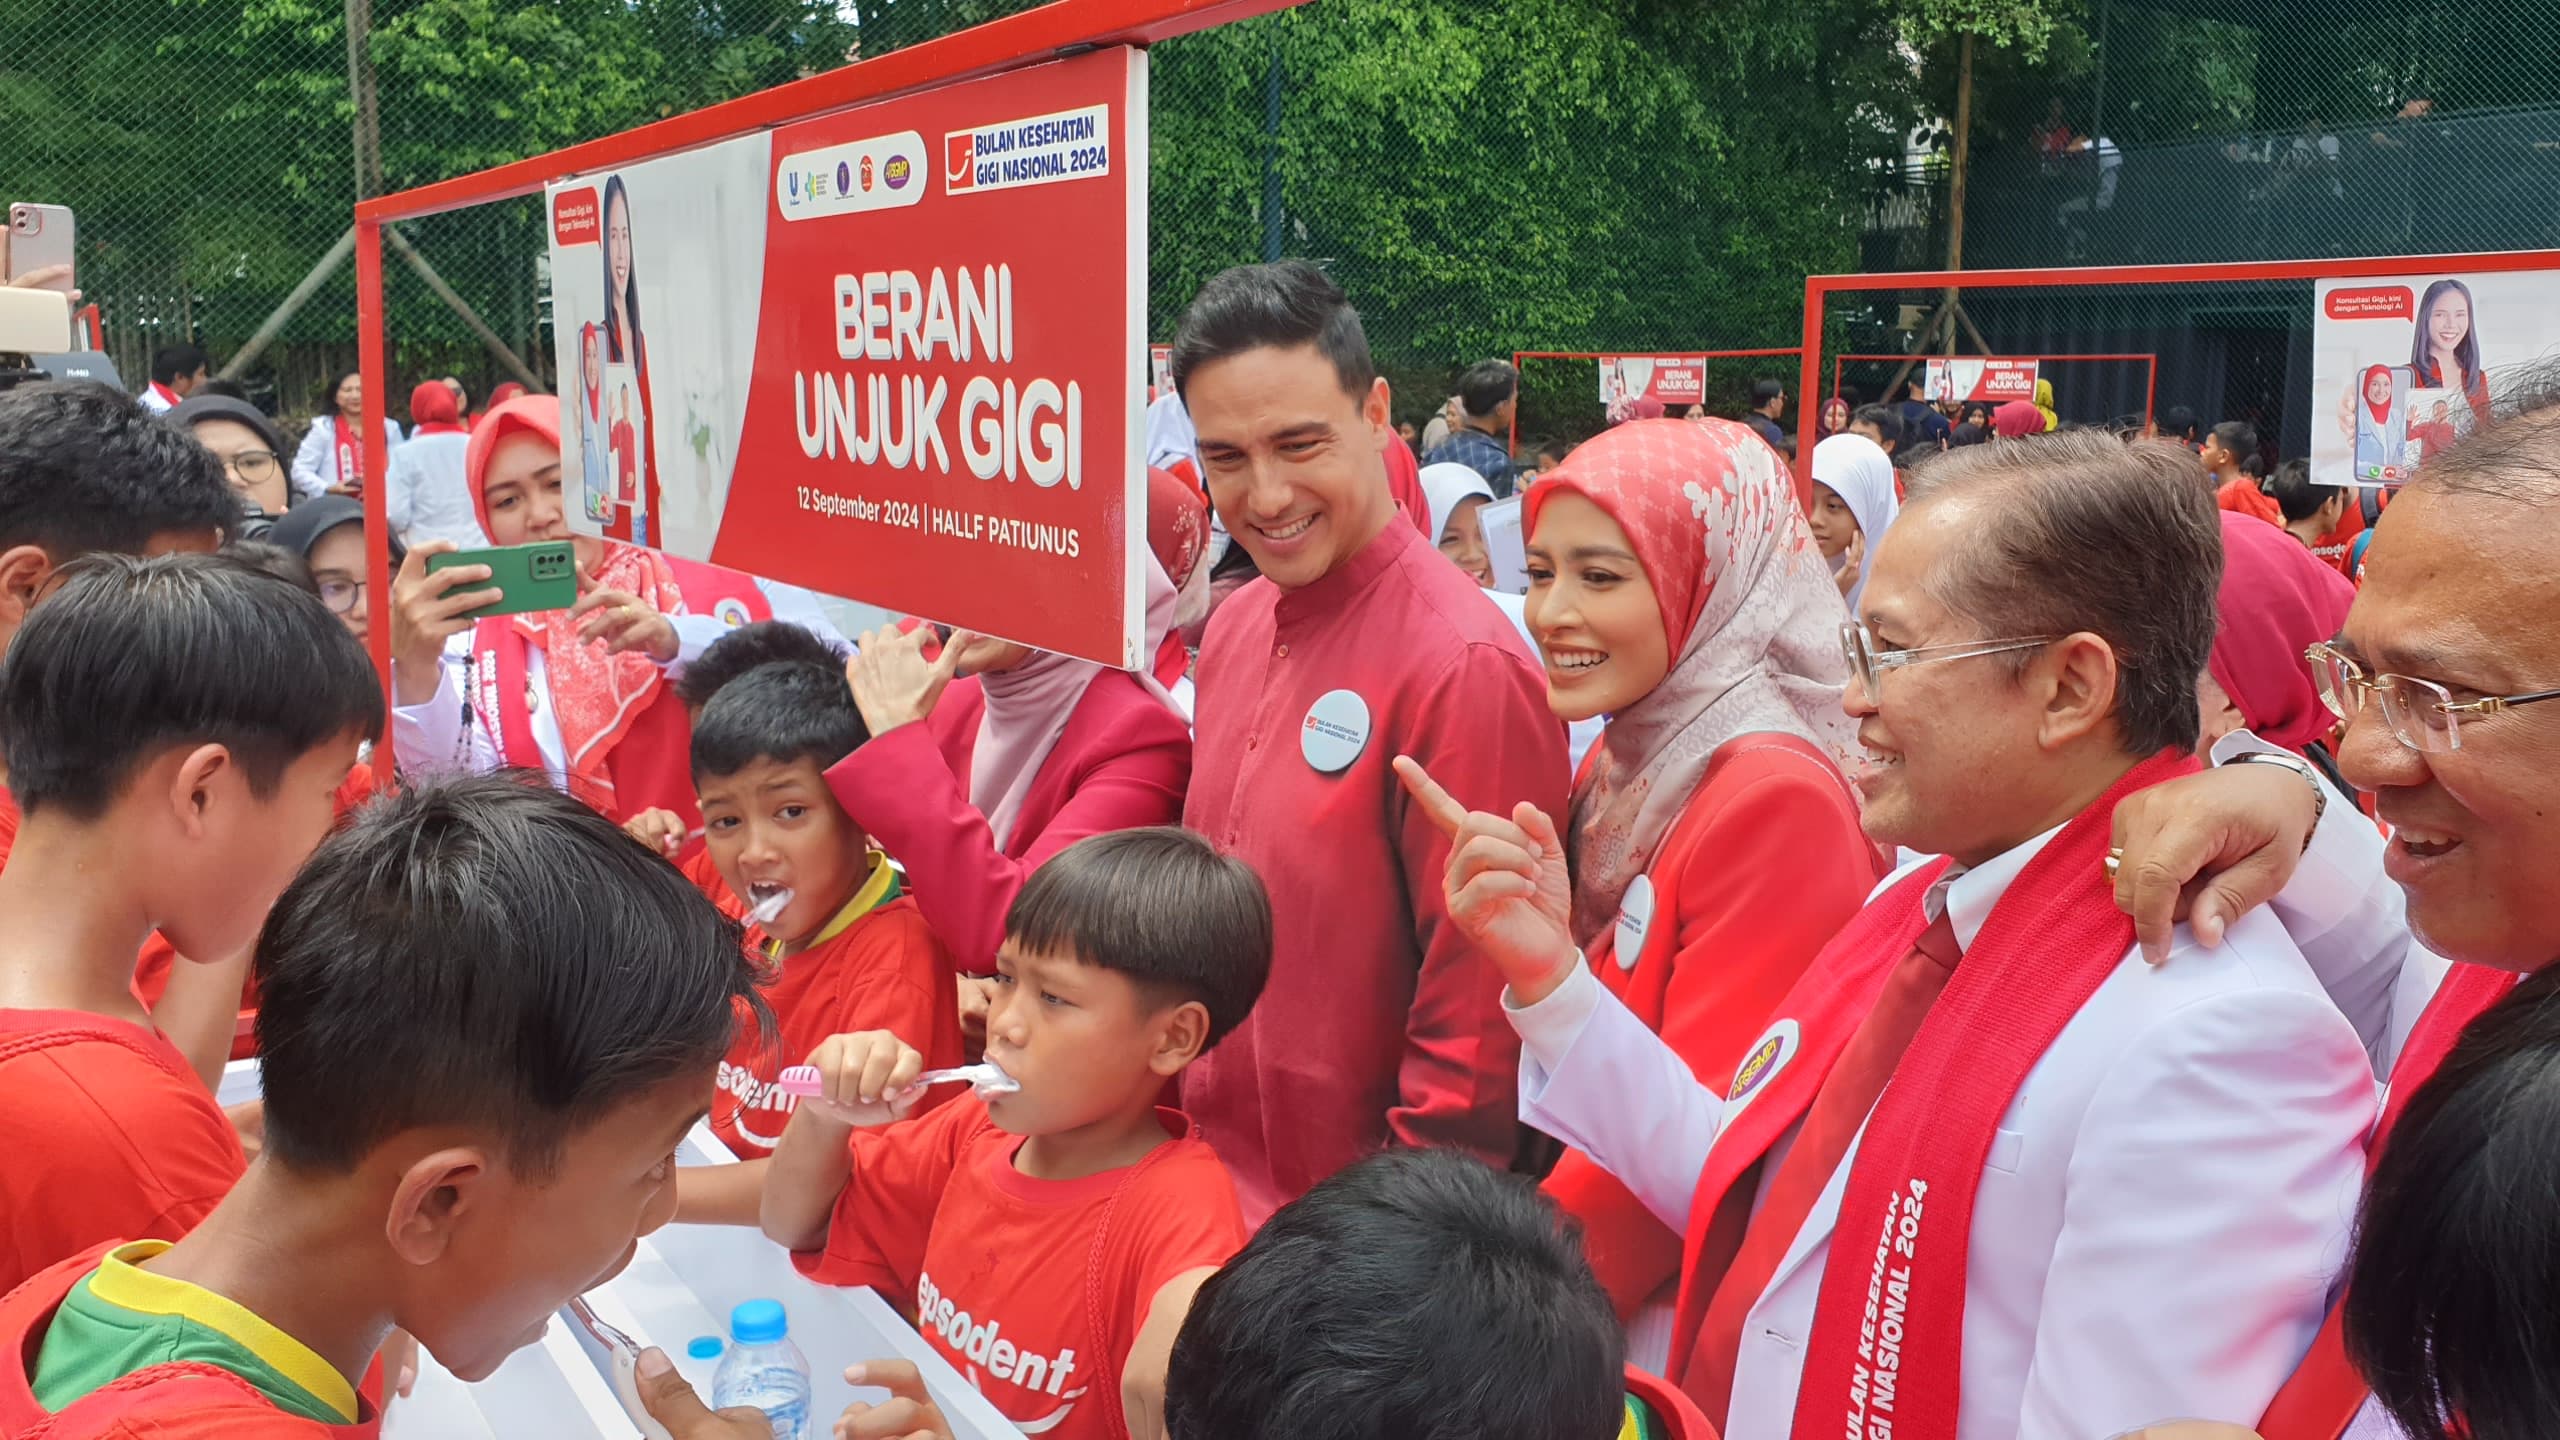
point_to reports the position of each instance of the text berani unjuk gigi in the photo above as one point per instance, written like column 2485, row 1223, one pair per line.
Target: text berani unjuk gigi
column 892, row 415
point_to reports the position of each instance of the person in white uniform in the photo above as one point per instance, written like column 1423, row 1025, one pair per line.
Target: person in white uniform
column 2168, row 1155
column 2452, row 717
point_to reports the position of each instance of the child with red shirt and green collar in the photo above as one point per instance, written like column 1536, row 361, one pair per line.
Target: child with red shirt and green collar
column 1044, row 1235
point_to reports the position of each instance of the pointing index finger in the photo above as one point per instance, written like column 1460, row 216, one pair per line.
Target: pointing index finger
column 1439, row 804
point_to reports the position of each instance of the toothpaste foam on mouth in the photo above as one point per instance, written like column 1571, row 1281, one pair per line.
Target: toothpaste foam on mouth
column 769, row 909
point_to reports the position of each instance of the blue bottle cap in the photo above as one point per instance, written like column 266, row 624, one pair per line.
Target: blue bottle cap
column 758, row 1322
column 704, row 1347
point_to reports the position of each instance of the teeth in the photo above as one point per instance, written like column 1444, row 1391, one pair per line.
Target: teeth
column 770, row 901
column 1577, row 659
column 1290, row 531
column 2423, row 843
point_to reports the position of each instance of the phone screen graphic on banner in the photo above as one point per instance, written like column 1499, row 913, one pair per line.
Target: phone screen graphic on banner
column 2403, row 365
column 1671, row 381
column 887, row 354
column 1966, row 379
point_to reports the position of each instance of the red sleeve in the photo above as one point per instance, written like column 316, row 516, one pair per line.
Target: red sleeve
column 882, row 1219
column 105, row 1144
column 1187, row 1219
column 899, row 787
column 1771, row 868
column 897, row 978
column 1485, row 733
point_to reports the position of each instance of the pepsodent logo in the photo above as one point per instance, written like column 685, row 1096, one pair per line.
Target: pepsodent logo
column 1764, row 1059
column 1040, row 150
column 842, row 179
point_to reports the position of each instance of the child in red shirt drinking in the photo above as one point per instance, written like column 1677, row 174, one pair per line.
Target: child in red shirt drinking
column 175, row 730
column 487, row 1019
column 843, row 950
column 1037, row 1231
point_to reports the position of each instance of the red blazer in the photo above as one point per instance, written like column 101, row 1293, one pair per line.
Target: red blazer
column 1762, row 868
column 1122, row 762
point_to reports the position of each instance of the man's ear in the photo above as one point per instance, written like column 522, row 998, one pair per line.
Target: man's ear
column 434, row 1198
column 191, row 785
column 25, row 573
column 2082, row 679
column 1378, row 407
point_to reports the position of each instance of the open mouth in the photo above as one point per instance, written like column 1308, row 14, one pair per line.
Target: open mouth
column 1576, row 662
column 766, row 900
column 1282, row 534
column 2424, row 844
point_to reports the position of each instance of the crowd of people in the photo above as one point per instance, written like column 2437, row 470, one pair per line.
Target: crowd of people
column 2100, row 920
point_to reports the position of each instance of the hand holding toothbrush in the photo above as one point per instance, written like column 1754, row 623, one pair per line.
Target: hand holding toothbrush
column 861, row 1080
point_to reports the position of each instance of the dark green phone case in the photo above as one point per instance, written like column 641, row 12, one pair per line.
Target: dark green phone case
column 535, row 577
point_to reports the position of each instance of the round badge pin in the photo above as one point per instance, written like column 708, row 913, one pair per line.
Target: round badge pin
column 1336, row 731
column 1635, row 921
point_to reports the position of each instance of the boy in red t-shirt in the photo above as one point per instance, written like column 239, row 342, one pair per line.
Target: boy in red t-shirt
column 487, row 1021
column 844, row 952
column 760, row 643
column 175, row 730
column 1037, row 1233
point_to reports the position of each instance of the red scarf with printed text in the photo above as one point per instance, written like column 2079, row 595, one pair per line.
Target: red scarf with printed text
column 1886, row 1353
column 350, row 437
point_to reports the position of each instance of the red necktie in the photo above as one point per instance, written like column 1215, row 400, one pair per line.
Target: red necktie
column 1838, row 1111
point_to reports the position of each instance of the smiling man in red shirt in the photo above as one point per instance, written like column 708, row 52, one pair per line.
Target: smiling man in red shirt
column 1381, row 1024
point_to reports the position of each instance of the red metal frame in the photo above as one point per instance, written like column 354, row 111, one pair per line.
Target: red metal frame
column 1050, row 32
column 1818, row 289
column 2150, row 358
column 1519, row 355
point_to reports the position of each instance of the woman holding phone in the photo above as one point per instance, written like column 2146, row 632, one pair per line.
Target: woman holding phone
column 581, row 694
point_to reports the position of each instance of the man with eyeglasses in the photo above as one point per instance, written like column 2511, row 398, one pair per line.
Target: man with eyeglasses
column 1987, row 1173
column 240, row 436
column 2441, row 676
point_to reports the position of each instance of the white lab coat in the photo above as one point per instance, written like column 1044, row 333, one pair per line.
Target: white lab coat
column 315, row 464
column 2165, row 1205
column 427, row 494
column 441, row 737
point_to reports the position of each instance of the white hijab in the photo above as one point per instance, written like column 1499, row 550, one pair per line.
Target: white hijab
column 1443, row 486
column 1861, row 474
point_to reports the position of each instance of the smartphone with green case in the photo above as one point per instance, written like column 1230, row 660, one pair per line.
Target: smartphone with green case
column 530, row 578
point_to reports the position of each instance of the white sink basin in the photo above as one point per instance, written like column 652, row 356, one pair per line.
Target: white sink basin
column 682, row 1283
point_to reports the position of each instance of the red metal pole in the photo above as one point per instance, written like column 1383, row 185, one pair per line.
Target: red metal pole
column 377, row 404
column 1808, row 375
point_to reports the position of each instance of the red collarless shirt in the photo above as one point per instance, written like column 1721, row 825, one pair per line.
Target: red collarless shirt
column 1381, row 1024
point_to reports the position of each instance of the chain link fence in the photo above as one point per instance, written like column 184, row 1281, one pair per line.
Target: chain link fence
column 1483, row 177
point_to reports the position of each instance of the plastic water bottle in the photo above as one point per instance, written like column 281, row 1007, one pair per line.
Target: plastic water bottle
column 764, row 1370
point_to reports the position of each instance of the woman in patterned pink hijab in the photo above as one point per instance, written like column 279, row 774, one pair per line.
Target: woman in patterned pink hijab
column 1675, row 587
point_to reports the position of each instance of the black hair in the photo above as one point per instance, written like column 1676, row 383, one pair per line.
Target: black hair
column 1416, row 1295
column 133, row 657
column 2178, row 424
column 1161, row 906
column 2457, row 1262
column 787, row 711
column 2466, row 354
column 2237, row 437
column 273, row 559
column 487, row 953
column 175, row 362
column 1887, row 421
column 1280, row 306
column 1967, row 433
column 329, row 398
column 2293, row 492
column 1764, row 391
column 2093, row 534
column 613, row 191
column 747, row 647
column 1556, row 449
column 1486, row 385
column 83, row 467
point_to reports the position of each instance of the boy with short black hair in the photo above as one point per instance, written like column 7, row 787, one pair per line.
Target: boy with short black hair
column 176, row 730
column 844, row 950
column 1880, row 423
column 1038, row 1229
column 488, row 1021
column 1417, row 1295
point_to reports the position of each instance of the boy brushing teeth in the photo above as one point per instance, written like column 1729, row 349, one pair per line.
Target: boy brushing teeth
column 1043, row 1236
column 842, row 949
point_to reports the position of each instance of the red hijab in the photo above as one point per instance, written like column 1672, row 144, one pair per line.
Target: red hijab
column 1404, row 481
column 2277, row 600
column 433, row 410
column 2364, row 391
column 2018, row 417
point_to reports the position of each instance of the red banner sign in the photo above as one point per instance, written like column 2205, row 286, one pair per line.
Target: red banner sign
column 1673, row 381
column 906, row 373
column 1969, row 378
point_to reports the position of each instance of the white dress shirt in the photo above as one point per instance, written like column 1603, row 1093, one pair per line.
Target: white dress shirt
column 427, row 494
column 2165, row 1204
